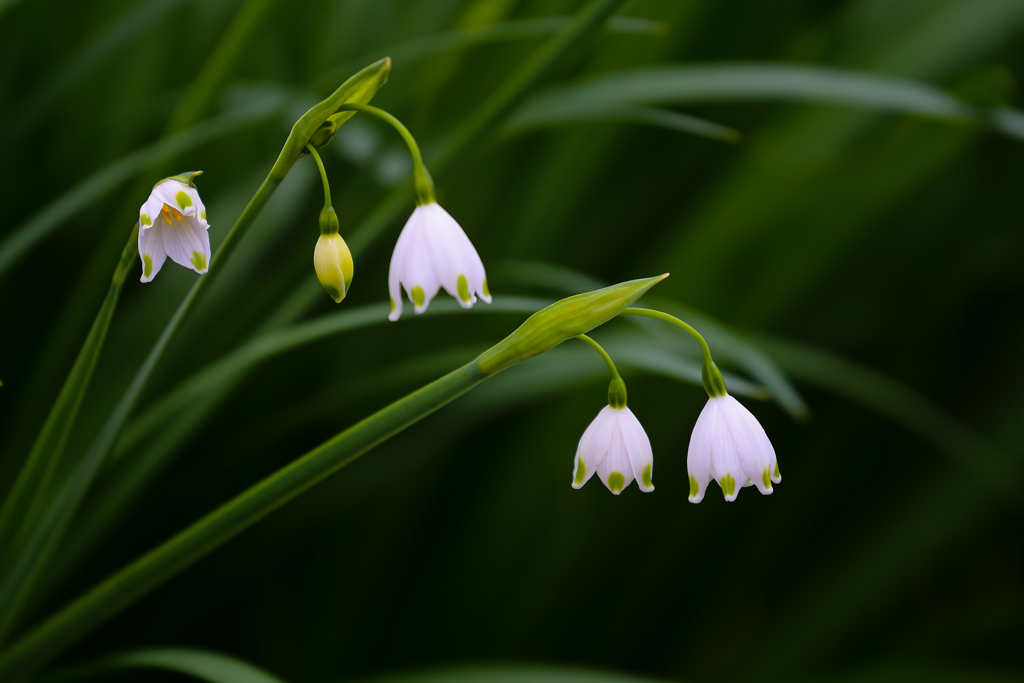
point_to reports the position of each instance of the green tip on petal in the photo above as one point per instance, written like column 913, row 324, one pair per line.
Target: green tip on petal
column 581, row 471
column 417, row 296
column 145, row 220
column 766, row 479
column 487, row 292
column 463, row 288
column 616, row 481
column 334, row 293
column 728, row 485
column 184, row 201
column 198, row 260
column 777, row 470
column 147, row 266
column 392, row 304
column 694, row 487
column 645, row 477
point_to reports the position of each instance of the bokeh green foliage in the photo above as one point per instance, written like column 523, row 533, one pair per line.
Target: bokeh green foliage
column 892, row 548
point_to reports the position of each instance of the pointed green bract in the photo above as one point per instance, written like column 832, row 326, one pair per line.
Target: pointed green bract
column 360, row 88
column 186, row 178
column 563, row 320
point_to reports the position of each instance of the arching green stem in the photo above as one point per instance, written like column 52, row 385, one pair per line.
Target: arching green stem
column 604, row 354
column 712, row 378
column 617, row 387
column 421, row 178
column 323, row 174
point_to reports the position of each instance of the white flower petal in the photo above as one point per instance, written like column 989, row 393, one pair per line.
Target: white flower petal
column 151, row 251
column 178, row 196
column 615, row 470
column 441, row 235
column 593, row 447
column 187, row 242
column 638, row 448
column 395, row 271
column 698, row 456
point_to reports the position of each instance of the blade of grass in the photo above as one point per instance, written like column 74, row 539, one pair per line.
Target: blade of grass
column 148, row 571
column 752, row 82
column 44, row 537
column 628, row 113
column 967, row 451
column 213, row 667
column 93, row 188
column 22, row 505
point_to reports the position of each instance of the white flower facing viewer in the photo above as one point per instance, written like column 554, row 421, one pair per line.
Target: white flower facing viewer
column 172, row 223
column 729, row 445
column 616, row 447
column 433, row 252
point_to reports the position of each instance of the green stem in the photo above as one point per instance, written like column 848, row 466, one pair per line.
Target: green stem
column 604, row 354
column 421, row 178
column 141, row 576
column 649, row 313
column 25, row 504
column 323, row 174
column 710, row 375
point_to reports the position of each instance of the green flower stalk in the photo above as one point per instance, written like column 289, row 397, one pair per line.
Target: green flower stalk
column 615, row 445
column 332, row 259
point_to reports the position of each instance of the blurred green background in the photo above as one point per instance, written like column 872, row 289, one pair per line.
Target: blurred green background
column 874, row 257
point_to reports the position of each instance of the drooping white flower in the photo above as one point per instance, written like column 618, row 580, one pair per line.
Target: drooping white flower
column 172, row 223
column 433, row 252
column 616, row 447
column 729, row 445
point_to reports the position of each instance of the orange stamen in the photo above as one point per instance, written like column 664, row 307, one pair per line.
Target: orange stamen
column 176, row 214
column 166, row 211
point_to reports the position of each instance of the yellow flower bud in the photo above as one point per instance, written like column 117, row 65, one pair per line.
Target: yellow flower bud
column 333, row 263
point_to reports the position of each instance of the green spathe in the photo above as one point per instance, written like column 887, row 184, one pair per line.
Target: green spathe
column 359, row 89
column 563, row 320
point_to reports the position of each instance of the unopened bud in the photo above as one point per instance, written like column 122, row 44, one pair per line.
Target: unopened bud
column 333, row 263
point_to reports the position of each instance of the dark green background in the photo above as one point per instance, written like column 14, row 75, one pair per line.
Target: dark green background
column 894, row 241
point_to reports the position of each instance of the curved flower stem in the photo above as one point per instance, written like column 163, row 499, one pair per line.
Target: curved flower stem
column 421, row 178
column 323, row 174
column 710, row 375
column 650, row 313
column 604, row 354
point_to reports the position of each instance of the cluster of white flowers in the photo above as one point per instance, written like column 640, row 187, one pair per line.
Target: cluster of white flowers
column 728, row 445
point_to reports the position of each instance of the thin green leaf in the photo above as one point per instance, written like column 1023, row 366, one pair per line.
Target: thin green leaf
column 93, row 188
column 205, row 665
column 515, row 673
column 991, row 468
column 25, row 503
column 629, row 113
column 746, row 82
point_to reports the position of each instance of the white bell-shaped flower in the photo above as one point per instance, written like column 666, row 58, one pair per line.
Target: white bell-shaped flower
column 433, row 252
column 729, row 445
column 172, row 223
column 616, row 447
